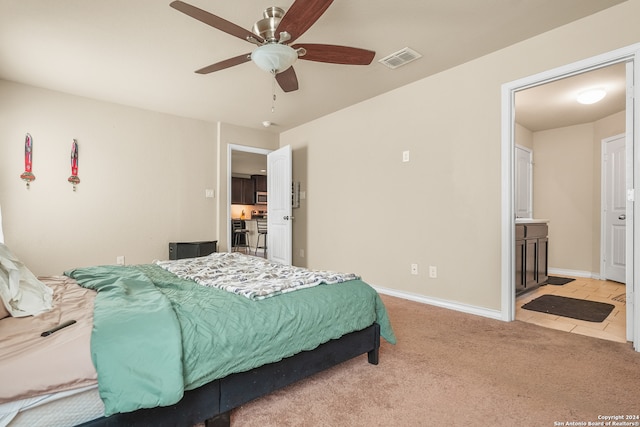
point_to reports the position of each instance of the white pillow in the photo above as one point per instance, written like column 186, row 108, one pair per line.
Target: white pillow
column 20, row 291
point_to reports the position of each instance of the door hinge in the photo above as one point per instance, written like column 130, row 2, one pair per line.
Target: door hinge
column 631, row 195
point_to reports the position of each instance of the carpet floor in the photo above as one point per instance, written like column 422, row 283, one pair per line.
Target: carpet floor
column 454, row 369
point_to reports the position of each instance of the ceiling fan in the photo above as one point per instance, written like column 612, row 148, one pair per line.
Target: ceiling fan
column 273, row 34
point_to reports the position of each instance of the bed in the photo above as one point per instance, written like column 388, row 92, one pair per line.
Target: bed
column 217, row 340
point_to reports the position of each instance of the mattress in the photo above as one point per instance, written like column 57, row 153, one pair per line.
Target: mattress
column 63, row 409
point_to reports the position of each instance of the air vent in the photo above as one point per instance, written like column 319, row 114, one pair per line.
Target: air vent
column 400, row 58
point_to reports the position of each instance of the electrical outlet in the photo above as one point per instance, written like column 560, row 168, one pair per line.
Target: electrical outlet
column 433, row 271
column 120, row 260
column 301, row 253
column 414, row 269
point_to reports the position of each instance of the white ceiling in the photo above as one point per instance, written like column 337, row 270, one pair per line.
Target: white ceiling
column 245, row 164
column 143, row 53
column 554, row 105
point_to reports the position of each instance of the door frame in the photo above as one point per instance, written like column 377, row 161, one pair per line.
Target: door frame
column 630, row 54
column 231, row 148
column 604, row 192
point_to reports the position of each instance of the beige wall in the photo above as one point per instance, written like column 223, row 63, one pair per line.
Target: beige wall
column 443, row 208
column 523, row 136
column 143, row 180
column 563, row 193
column 567, row 184
column 366, row 211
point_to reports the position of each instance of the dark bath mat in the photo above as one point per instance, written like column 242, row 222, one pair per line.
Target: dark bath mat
column 555, row 280
column 591, row 311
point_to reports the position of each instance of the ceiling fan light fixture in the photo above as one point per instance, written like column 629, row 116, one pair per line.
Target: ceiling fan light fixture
column 274, row 57
column 591, row 96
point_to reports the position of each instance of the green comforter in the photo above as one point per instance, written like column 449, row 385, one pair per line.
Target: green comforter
column 156, row 335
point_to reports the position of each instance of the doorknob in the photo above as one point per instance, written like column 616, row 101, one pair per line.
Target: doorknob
column 622, row 217
column 286, row 217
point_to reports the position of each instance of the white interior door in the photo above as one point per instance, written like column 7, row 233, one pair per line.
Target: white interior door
column 632, row 137
column 614, row 210
column 279, row 245
column 523, row 185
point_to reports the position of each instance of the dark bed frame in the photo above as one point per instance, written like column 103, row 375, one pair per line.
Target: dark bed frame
column 212, row 403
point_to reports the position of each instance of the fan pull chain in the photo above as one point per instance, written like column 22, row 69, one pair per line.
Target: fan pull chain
column 273, row 91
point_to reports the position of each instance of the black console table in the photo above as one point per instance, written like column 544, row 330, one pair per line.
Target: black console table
column 180, row 250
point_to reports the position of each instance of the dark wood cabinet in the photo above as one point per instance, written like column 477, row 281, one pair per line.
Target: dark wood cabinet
column 520, row 261
column 530, row 263
column 242, row 191
column 543, row 262
column 260, row 182
column 531, row 251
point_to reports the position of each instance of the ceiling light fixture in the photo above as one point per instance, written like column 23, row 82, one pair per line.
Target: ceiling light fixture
column 591, row 96
column 274, row 57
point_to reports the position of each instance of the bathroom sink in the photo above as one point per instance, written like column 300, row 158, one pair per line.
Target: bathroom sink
column 530, row 220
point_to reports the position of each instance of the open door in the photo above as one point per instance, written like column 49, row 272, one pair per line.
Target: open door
column 632, row 234
column 524, row 182
column 279, row 220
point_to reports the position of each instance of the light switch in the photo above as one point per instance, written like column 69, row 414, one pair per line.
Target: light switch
column 209, row 193
column 405, row 156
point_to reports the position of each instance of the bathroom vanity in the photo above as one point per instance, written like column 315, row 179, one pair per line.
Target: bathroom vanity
column 532, row 245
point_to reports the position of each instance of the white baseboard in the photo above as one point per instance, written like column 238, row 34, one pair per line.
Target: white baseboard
column 470, row 309
column 451, row 305
column 574, row 273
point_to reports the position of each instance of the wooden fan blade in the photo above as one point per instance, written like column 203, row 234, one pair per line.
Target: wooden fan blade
column 225, row 64
column 301, row 16
column 336, row 54
column 216, row 21
column 287, row 80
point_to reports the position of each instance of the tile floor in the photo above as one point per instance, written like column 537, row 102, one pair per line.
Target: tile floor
column 612, row 328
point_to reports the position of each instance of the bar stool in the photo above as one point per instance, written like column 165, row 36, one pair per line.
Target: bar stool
column 262, row 231
column 240, row 235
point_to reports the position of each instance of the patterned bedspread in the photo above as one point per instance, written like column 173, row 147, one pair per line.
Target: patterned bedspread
column 252, row 277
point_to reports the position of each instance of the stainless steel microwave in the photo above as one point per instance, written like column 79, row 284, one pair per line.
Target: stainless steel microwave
column 261, row 198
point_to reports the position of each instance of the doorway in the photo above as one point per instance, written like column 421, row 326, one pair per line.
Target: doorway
column 624, row 56
column 243, row 162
